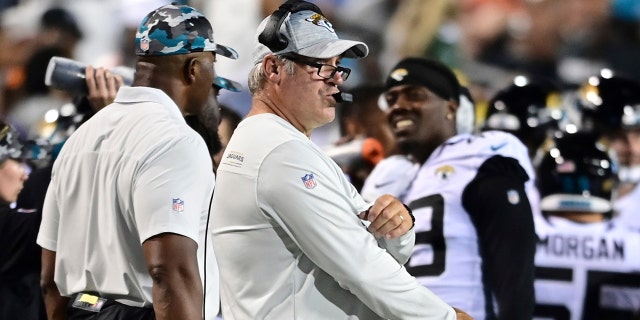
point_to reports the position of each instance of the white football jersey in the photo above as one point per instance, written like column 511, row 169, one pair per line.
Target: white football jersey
column 446, row 257
column 586, row 271
column 392, row 175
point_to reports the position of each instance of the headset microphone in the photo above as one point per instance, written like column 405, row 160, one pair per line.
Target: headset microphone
column 343, row 97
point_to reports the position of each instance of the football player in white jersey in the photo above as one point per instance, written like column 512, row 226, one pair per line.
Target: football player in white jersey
column 587, row 266
column 611, row 109
column 475, row 238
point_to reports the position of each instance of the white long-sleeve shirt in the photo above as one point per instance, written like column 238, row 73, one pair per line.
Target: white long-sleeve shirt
column 289, row 242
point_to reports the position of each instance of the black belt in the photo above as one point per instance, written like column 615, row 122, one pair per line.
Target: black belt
column 92, row 306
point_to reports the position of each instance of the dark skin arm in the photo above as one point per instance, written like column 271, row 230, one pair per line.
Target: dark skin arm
column 55, row 304
column 173, row 266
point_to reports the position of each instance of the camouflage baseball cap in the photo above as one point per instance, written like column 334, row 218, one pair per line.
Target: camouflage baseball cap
column 228, row 84
column 10, row 146
column 177, row 29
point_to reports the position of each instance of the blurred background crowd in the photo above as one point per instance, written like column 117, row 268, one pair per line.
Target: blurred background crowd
column 488, row 42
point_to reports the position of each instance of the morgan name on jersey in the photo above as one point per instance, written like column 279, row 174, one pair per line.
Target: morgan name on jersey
column 585, row 247
column 586, row 271
column 598, row 244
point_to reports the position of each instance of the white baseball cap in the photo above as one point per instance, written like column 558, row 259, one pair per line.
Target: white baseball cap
column 310, row 34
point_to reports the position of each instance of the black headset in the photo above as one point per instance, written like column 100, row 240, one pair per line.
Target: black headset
column 275, row 41
column 271, row 36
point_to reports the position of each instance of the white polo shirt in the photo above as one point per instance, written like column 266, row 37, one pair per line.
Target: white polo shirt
column 290, row 244
column 132, row 171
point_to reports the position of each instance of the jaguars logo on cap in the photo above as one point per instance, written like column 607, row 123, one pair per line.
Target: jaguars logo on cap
column 399, row 74
column 321, row 21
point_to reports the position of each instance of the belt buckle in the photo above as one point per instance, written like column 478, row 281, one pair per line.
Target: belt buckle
column 88, row 302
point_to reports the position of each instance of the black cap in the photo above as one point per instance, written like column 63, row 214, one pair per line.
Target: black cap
column 432, row 74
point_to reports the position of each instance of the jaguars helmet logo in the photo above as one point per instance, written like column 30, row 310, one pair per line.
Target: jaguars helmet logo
column 444, row 172
column 321, row 21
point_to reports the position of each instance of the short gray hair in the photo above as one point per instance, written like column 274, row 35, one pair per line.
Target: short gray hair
column 257, row 77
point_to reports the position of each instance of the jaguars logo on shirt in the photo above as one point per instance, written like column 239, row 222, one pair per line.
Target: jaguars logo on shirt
column 445, row 172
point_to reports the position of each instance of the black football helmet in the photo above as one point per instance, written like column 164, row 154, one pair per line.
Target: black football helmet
column 609, row 104
column 576, row 174
column 529, row 108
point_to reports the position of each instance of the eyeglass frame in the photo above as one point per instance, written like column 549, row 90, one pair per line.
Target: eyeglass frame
column 345, row 72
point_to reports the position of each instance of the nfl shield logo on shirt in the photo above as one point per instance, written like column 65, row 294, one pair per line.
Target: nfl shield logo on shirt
column 309, row 181
column 513, row 197
column 178, row 205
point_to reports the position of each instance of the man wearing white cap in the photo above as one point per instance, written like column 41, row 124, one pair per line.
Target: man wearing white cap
column 295, row 240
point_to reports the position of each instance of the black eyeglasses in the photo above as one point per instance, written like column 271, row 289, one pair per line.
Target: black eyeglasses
column 325, row 71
